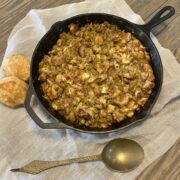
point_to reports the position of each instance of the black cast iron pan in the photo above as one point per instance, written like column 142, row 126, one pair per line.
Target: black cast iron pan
column 142, row 32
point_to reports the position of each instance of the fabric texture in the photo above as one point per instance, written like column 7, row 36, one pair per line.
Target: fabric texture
column 22, row 141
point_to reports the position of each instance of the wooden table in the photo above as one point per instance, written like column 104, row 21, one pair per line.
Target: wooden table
column 166, row 167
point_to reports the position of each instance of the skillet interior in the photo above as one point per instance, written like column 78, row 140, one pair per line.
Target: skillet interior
column 50, row 39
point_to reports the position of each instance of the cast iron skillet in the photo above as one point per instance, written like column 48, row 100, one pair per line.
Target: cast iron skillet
column 142, row 32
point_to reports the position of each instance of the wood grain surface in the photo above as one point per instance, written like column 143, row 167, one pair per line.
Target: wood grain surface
column 166, row 167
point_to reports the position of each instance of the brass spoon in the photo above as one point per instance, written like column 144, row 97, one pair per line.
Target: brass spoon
column 119, row 155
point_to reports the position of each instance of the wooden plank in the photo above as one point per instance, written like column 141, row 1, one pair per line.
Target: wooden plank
column 170, row 36
column 145, row 8
column 18, row 9
column 168, row 33
column 160, row 169
column 173, row 3
column 12, row 11
column 162, row 26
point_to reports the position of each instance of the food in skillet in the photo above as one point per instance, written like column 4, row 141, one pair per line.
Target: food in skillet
column 96, row 75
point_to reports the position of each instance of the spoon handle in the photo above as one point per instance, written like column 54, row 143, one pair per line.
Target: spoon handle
column 38, row 166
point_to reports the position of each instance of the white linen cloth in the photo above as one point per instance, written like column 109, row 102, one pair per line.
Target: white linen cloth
column 22, row 141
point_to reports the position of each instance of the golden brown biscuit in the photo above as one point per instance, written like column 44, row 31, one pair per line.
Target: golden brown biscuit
column 17, row 65
column 12, row 91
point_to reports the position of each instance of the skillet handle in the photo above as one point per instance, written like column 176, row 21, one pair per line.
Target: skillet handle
column 158, row 18
column 34, row 116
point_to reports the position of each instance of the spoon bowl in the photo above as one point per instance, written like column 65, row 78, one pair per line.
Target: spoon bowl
column 122, row 155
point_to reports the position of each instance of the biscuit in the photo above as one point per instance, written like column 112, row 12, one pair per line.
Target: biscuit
column 17, row 65
column 12, row 91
